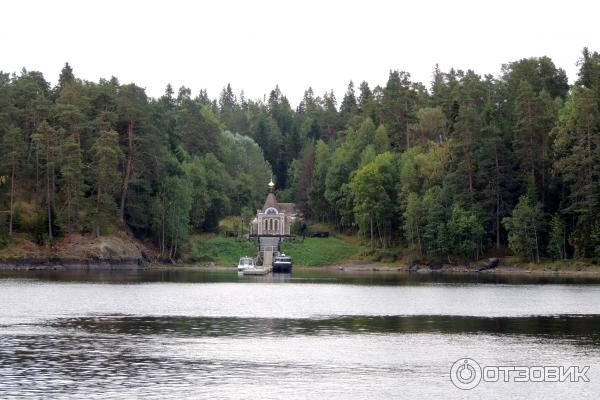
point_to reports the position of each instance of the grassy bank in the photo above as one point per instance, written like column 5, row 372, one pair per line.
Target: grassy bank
column 311, row 252
column 220, row 250
column 319, row 252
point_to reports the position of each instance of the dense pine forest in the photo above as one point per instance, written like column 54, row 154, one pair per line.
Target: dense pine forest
column 463, row 167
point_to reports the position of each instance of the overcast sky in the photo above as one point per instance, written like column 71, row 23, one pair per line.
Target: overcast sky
column 255, row 45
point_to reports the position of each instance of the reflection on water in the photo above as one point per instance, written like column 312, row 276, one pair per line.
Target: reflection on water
column 194, row 334
column 193, row 275
column 579, row 328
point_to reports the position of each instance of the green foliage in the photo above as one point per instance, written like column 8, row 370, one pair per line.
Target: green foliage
column 434, row 170
column 14, row 148
column 4, row 240
column 247, row 168
column 337, row 193
column 193, row 119
column 435, row 235
column 222, row 251
column 373, row 193
column 300, row 228
column 577, row 149
column 525, row 226
column 381, row 141
column 557, row 242
column 107, row 156
column 71, row 181
column 217, row 188
column 43, row 221
column 400, row 96
column 431, row 125
column 465, row 233
column 413, row 223
column 595, row 239
column 199, row 191
column 266, row 133
column 171, row 209
column 319, row 206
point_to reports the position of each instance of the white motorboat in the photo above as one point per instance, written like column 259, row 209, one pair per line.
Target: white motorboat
column 246, row 263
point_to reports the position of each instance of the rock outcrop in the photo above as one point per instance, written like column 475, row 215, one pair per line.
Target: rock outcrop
column 78, row 252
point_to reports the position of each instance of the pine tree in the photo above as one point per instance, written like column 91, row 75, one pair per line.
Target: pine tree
column 463, row 149
column 71, row 181
column 65, row 78
column 577, row 162
column 46, row 143
column 397, row 108
column 107, row 156
column 529, row 134
column 131, row 103
column 14, row 149
column 349, row 106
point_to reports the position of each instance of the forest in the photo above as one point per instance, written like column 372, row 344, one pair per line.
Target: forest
column 464, row 167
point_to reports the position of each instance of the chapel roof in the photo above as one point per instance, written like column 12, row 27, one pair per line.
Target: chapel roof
column 271, row 201
column 288, row 208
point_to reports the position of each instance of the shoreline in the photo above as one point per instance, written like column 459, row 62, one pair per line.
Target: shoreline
column 355, row 267
column 366, row 269
column 123, row 252
column 362, row 268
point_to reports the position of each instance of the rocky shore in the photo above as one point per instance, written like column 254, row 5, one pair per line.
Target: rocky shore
column 77, row 252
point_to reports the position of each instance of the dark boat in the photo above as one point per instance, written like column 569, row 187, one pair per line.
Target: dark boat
column 282, row 263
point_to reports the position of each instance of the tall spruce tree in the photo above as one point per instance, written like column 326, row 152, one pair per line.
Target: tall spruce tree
column 107, row 156
column 13, row 153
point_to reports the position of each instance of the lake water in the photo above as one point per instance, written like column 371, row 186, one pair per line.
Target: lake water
column 311, row 335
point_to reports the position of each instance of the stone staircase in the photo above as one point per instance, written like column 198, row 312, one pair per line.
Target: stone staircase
column 270, row 243
column 268, row 247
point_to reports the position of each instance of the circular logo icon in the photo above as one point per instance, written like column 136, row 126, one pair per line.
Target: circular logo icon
column 465, row 373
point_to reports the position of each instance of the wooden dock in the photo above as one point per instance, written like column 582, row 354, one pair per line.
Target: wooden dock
column 267, row 261
column 258, row 270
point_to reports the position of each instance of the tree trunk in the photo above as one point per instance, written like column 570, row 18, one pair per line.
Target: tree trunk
column 69, row 212
column 98, row 195
column 12, row 197
column 564, row 245
column 37, row 170
column 470, row 175
column 379, row 234
column 497, row 198
column 589, row 151
column 48, row 194
column 406, row 123
column 371, row 217
column 419, row 248
column 468, row 154
column 77, row 133
column 127, row 172
column 537, row 247
column 532, row 143
column 162, row 244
